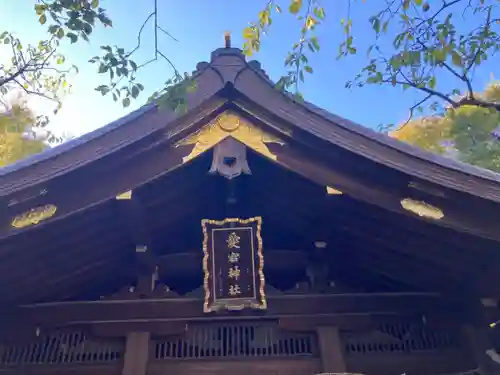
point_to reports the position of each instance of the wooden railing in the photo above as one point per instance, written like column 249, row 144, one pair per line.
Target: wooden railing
column 229, row 340
column 62, row 348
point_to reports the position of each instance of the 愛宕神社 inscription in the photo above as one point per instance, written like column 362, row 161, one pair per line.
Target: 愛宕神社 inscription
column 233, row 264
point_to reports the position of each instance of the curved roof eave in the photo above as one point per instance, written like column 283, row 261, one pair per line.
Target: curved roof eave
column 49, row 163
column 229, row 66
column 406, row 148
column 73, row 143
column 370, row 135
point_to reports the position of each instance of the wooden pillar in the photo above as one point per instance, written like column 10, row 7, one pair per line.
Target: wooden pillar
column 330, row 348
column 136, row 353
column 478, row 343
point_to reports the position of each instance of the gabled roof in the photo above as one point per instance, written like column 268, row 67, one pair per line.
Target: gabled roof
column 228, row 67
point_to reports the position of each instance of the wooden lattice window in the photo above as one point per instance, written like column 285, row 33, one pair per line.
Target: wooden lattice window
column 400, row 338
column 231, row 340
column 60, row 348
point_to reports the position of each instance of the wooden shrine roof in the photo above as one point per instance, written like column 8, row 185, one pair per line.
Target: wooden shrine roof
column 229, row 68
column 89, row 244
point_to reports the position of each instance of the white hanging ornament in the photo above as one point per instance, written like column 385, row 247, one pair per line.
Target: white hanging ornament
column 230, row 159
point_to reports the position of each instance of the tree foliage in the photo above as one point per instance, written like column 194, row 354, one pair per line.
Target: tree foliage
column 470, row 133
column 19, row 136
column 415, row 42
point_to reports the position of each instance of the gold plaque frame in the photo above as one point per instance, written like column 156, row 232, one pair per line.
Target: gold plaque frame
column 217, row 306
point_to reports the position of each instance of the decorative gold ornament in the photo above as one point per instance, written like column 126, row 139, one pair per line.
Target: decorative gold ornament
column 422, row 209
column 124, row 196
column 229, row 125
column 34, row 216
column 333, row 191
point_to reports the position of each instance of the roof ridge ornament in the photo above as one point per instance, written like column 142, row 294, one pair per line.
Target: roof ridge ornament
column 227, row 39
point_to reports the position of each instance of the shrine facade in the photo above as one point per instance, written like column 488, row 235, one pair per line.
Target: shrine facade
column 251, row 234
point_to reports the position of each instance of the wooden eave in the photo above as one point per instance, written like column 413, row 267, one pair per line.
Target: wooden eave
column 365, row 142
column 82, row 178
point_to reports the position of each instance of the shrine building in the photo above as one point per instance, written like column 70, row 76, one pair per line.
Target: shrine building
column 251, row 234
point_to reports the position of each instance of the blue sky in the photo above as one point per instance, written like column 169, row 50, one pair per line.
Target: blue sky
column 199, row 26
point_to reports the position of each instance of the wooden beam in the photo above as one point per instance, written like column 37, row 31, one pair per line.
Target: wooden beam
column 316, row 170
column 135, row 219
column 330, row 347
column 71, row 313
column 135, row 361
column 477, row 342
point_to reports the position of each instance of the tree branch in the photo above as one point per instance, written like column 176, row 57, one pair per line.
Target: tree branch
column 140, row 34
column 410, row 116
column 477, row 103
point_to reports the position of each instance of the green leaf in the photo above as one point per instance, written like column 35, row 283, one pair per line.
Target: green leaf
column 135, row 92
column 432, row 83
column 456, row 58
column 73, row 37
column 315, row 43
column 60, row 33
column 439, row 55
column 102, row 68
column 319, row 12
column 295, row 6
column 6, row 41
column 39, row 9
column 42, row 19
column 94, row 4
column 308, row 69
column 126, row 102
column 375, row 21
column 103, row 89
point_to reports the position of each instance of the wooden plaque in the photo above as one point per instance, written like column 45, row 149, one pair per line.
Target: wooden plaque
column 233, row 264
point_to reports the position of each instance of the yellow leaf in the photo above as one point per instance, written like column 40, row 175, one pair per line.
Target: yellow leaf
column 295, row 6
column 310, row 22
